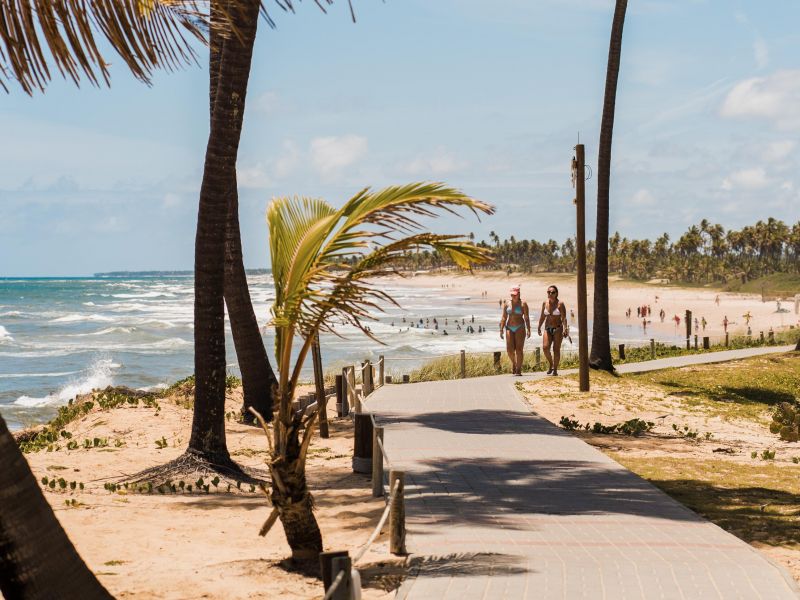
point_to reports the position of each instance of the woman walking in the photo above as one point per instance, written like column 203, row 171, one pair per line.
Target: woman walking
column 515, row 326
column 554, row 319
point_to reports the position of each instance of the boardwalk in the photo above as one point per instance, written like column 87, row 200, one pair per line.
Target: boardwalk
column 502, row 504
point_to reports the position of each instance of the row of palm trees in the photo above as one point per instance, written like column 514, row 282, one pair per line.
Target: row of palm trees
column 704, row 253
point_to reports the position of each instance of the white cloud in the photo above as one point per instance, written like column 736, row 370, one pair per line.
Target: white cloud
column 254, row 176
column 268, row 102
column 741, row 17
column 787, row 186
column 775, row 98
column 329, row 155
column 441, row 162
column 170, row 200
column 643, row 197
column 289, row 159
column 779, row 150
column 761, row 53
column 752, row 179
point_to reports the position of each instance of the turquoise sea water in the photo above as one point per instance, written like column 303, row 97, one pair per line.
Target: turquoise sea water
column 63, row 336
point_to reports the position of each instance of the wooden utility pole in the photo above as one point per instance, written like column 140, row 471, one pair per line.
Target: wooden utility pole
column 578, row 169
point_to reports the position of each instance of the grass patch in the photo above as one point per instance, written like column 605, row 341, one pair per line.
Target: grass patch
column 746, row 389
column 757, row 503
column 784, row 284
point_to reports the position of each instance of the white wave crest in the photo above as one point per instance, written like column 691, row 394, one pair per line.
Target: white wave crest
column 75, row 318
column 98, row 376
column 5, row 337
column 19, row 375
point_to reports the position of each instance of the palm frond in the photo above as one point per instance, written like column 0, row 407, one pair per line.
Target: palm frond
column 309, row 242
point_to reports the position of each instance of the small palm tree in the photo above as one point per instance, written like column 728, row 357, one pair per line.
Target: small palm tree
column 310, row 244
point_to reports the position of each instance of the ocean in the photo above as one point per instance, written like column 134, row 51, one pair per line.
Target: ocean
column 60, row 337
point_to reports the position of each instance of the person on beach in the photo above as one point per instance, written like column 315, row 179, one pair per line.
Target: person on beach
column 554, row 318
column 725, row 323
column 515, row 326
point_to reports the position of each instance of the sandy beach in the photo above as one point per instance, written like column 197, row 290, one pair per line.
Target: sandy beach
column 623, row 295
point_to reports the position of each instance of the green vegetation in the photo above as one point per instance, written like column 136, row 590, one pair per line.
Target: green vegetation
column 755, row 502
column 786, row 420
column 784, row 284
column 746, row 389
column 632, row 427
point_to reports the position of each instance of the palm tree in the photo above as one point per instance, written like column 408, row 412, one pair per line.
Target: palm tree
column 37, row 559
column 600, row 355
column 310, row 242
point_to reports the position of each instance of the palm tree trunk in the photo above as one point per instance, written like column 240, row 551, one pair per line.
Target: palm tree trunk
column 258, row 377
column 208, row 424
column 37, row 559
column 600, row 356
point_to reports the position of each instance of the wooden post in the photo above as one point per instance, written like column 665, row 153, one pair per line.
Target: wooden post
column 463, row 364
column 580, row 208
column 366, row 379
column 319, row 384
column 362, row 443
column 326, row 564
column 345, row 589
column 706, row 342
column 497, row 361
column 377, row 462
column 538, row 357
column 761, row 335
column 388, row 379
column 397, row 514
column 355, row 403
column 652, row 348
column 695, row 341
column 622, row 351
column 771, row 335
column 406, row 378
column 339, row 395
column 688, row 329
column 381, row 364
column 726, row 339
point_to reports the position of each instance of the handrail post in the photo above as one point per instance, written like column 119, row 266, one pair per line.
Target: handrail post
column 326, row 566
column 366, row 379
column 377, row 462
column 652, row 348
column 381, row 362
column 345, row 589
column 463, row 364
column 355, row 403
column 397, row 514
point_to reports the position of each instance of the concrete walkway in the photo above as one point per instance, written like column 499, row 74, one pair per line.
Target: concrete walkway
column 502, row 504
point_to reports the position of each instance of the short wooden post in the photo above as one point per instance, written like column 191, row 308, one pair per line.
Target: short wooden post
column 497, row 361
column 695, row 341
column 538, row 357
column 463, row 364
column 362, row 443
column 381, row 365
column 377, row 462
column 388, row 379
column 688, row 330
column 726, row 339
column 771, row 335
column 355, row 403
column 622, row 351
column 326, row 566
column 366, row 379
column 397, row 514
column 652, row 348
column 761, row 335
column 406, row 378
column 706, row 342
column 344, row 591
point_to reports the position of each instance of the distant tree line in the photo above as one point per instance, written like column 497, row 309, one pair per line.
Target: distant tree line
column 705, row 253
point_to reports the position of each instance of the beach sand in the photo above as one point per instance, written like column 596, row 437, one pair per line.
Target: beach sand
column 622, row 295
column 202, row 545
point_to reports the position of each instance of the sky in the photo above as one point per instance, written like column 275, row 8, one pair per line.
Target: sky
column 488, row 97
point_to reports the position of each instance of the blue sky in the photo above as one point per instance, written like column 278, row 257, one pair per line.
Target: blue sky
column 486, row 96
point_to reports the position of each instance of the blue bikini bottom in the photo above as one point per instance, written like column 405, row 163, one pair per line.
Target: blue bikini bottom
column 513, row 328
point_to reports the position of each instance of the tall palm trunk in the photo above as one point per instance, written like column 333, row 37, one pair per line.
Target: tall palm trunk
column 208, row 424
column 600, row 356
column 257, row 374
column 37, row 560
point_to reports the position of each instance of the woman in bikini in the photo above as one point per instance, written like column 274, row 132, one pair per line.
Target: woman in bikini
column 515, row 326
column 554, row 319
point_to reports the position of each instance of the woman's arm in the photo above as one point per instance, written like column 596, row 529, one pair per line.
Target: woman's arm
column 526, row 316
column 503, row 319
column 541, row 319
column 564, row 324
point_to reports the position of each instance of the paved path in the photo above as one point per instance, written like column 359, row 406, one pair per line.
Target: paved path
column 502, row 504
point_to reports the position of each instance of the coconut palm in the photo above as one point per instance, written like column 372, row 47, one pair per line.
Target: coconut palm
column 325, row 262
column 600, row 355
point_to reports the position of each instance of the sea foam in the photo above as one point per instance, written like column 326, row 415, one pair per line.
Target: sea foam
column 99, row 375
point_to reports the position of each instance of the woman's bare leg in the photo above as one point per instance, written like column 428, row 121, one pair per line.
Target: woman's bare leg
column 510, row 347
column 559, row 335
column 519, row 345
column 546, row 341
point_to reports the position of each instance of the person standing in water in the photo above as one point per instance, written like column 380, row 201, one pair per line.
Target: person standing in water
column 554, row 319
column 515, row 326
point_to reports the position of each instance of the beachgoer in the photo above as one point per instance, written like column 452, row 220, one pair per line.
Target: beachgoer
column 716, row 300
column 747, row 316
column 644, row 324
column 638, row 311
column 696, row 325
column 554, row 318
column 662, row 314
column 515, row 326
column 703, row 323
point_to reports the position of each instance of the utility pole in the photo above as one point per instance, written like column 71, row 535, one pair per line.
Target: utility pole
column 578, row 181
